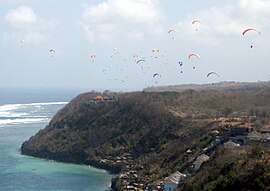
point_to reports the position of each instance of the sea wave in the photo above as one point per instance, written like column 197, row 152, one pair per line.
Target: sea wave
column 11, row 114
column 45, row 103
column 18, row 110
column 22, row 121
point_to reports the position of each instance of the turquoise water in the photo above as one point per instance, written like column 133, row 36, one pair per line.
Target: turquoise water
column 18, row 122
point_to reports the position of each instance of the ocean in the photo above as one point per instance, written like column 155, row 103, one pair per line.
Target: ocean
column 21, row 118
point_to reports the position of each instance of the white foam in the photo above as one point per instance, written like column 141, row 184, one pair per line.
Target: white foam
column 13, row 114
column 7, row 110
column 22, row 121
column 10, row 110
column 48, row 103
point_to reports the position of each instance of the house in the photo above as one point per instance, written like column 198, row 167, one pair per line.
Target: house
column 239, row 130
column 98, row 98
column 199, row 161
column 230, row 145
column 189, row 151
column 262, row 138
column 215, row 132
column 171, row 182
column 157, row 185
column 265, row 131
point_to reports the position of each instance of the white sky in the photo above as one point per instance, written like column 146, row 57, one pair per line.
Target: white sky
column 117, row 30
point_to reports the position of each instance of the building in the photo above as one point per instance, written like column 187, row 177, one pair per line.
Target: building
column 172, row 182
column 199, row 161
column 230, row 145
column 265, row 131
column 239, row 130
column 98, row 98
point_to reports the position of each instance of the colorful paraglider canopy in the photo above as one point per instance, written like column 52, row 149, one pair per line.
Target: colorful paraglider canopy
column 250, row 29
column 194, row 55
column 211, row 73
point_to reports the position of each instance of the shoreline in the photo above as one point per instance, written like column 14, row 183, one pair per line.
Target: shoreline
column 108, row 171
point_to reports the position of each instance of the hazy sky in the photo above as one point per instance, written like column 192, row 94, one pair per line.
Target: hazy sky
column 117, row 33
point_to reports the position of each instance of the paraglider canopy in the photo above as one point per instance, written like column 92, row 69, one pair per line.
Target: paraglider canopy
column 156, row 74
column 196, row 21
column 211, row 73
column 155, row 50
column 141, row 60
column 172, row 30
column 251, row 29
column 194, row 55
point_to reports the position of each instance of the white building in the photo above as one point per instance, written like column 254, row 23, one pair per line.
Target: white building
column 172, row 182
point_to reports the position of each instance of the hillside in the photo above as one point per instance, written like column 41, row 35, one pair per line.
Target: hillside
column 146, row 133
column 240, row 169
column 221, row 86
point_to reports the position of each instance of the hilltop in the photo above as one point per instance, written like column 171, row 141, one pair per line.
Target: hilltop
column 145, row 136
column 221, row 86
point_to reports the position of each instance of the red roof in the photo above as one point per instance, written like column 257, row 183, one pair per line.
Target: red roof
column 98, row 98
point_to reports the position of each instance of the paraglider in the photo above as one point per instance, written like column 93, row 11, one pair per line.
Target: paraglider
column 248, row 30
column 93, row 57
column 155, row 50
column 156, row 75
column 115, row 51
column 194, row 56
column 180, row 63
column 22, row 42
column 211, row 73
column 52, row 51
column 197, row 23
column 172, row 31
